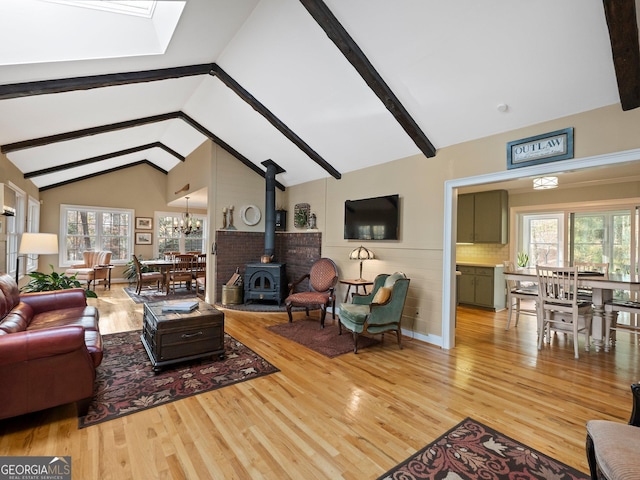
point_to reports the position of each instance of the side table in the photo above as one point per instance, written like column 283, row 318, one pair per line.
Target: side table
column 357, row 283
column 107, row 281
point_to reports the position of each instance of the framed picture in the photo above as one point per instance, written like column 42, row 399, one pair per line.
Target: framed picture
column 143, row 238
column 144, row 223
column 549, row 147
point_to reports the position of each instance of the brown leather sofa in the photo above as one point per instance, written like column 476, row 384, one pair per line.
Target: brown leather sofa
column 50, row 346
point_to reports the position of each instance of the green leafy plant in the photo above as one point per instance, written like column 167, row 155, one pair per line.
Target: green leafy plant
column 47, row 282
column 523, row 259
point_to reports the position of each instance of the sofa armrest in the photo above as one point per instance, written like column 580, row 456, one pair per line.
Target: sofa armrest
column 35, row 344
column 56, row 300
column 44, row 368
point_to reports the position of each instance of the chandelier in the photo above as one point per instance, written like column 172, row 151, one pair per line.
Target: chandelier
column 188, row 224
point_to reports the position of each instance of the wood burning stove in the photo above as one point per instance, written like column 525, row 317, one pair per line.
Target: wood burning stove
column 265, row 281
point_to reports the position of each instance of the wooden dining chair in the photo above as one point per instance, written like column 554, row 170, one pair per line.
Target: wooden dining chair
column 146, row 278
column 518, row 292
column 182, row 271
column 560, row 309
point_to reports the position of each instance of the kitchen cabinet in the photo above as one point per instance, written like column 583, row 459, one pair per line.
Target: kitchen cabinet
column 483, row 217
column 482, row 286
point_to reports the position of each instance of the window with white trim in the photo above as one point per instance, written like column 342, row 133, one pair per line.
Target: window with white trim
column 33, row 226
column 95, row 228
column 171, row 240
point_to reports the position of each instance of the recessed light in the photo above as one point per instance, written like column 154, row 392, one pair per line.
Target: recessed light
column 502, row 107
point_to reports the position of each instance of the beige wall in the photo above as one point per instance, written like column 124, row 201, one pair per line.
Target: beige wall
column 420, row 183
column 10, row 175
column 418, row 180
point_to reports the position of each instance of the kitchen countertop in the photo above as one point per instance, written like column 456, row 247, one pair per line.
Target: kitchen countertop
column 479, row 264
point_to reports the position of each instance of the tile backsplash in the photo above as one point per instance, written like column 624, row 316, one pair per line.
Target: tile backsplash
column 482, row 253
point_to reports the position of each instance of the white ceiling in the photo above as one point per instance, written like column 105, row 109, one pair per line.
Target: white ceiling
column 449, row 63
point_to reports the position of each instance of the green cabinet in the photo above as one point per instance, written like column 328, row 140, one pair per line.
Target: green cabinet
column 483, row 217
column 482, row 287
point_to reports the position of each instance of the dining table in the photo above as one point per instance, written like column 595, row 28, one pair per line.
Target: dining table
column 602, row 288
column 164, row 266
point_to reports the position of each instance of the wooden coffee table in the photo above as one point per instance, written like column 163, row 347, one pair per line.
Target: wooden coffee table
column 170, row 337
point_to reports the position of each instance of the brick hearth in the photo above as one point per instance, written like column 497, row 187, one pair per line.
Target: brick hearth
column 235, row 249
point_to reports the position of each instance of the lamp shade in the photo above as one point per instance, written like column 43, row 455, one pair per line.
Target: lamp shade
column 38, row 243
column 361, row 253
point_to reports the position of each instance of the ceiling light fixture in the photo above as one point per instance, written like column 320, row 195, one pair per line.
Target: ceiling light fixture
column 187, row 225
column 545, row 183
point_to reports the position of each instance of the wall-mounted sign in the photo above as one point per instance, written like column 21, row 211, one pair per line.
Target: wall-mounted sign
column 549, row 147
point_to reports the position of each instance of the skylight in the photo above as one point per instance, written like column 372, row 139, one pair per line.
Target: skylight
column 139, row 8
column 57, row 30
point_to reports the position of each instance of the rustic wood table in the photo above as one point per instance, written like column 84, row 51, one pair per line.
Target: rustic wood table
column 172, row 337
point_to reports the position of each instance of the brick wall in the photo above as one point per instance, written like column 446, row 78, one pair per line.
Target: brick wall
column 235, row 249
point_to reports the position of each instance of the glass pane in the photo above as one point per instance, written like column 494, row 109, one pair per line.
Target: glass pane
column 544, row 241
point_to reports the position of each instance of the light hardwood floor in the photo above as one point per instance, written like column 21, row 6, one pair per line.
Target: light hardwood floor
column 351, row 417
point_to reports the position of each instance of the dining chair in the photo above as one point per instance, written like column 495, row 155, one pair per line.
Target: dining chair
column 182, row 271
column 590, row 268
column 200, row 265
column 559, row 308
column 516, row 293
column 146, row 278
column 170, row 256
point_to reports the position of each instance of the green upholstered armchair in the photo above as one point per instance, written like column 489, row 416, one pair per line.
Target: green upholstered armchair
column 378, row 312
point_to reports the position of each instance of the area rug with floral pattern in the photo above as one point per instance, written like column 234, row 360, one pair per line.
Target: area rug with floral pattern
column 151, row 295
column 126, row 382
column 471, row 450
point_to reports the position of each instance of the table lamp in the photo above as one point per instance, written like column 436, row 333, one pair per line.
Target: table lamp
column 36, row 244
column 361, row 254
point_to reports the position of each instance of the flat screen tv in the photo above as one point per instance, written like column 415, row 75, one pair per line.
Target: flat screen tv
column 372, row 218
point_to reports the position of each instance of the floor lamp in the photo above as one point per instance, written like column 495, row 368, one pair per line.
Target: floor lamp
column 36, row 244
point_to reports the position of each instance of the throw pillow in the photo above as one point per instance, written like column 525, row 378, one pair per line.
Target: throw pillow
column 391, row 279
column 382, row 295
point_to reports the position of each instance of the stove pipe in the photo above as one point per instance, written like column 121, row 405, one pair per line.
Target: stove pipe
column 270, row 206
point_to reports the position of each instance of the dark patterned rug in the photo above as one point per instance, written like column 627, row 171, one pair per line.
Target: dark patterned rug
column 126, row 382
column 152, row 295
column 322, row 340
column 471, row 450
column 262, row 307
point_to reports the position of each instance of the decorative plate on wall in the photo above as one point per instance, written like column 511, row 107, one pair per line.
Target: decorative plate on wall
column 250, row 215
column 301, row 215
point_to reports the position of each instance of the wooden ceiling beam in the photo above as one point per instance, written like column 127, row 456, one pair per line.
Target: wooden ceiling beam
column 228, row 148
column 86, row 132
column 225, row 78
column 350, row 49
column 104, row 172
column 100, row 158
column 44, row 87
column 623, row 32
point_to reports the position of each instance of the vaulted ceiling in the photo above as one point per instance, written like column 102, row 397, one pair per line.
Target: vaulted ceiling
column 321, row 88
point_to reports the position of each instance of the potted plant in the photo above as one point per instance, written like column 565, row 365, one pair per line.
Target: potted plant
column 46, row 282
column 523, row 259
